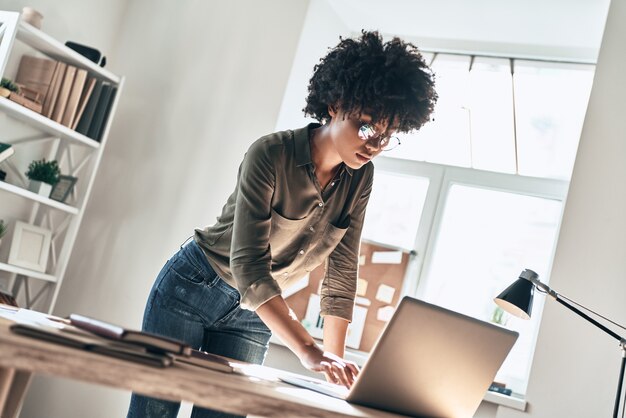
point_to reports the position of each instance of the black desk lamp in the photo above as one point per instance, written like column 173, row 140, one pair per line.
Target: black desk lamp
column 517, row 299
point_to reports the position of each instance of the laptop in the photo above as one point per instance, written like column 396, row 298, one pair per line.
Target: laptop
column 429, row 361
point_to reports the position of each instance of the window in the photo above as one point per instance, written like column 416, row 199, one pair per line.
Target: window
column 479, row 192
column 503, row 115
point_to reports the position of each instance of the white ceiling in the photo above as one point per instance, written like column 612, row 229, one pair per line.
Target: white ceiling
column 553, row 28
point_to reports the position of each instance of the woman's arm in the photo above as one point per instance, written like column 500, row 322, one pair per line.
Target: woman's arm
column 283, row 323
column 335, row 330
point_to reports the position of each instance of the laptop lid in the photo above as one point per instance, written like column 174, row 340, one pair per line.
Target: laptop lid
column 432, row 362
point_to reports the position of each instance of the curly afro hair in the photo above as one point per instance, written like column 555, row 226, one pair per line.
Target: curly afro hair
column 389, row 81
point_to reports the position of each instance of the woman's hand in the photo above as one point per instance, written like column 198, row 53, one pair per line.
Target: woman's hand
column 283, row 322
column 336, row 369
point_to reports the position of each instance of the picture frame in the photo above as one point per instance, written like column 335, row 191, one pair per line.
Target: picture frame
column 63, row 188
column 30, row 246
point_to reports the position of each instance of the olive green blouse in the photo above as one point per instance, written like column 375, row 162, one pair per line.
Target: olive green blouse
column 279, row 224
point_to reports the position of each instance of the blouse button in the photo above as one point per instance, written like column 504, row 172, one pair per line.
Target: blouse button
column 320, row 204
column 311, row 229
column 301, row 252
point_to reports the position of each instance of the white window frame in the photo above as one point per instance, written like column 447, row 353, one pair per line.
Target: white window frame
column 441, row 179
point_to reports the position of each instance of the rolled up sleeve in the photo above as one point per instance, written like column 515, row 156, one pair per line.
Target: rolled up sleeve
column 340, row 280
column 250, row 259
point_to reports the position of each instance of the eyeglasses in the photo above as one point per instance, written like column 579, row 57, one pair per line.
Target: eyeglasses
column 386, row 142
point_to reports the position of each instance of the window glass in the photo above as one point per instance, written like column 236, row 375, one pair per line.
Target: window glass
column 485, row 239
column 445, row 140
column 550, row 104
column 491, row 115
column 486, row 118
column 395, row 209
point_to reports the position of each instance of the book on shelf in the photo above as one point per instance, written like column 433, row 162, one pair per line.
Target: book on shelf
column 151, row 342
column 73, row 99
column 53, row 91
column 6, row 150
column 36, row 74
column 100, row 113
column 83, row 124
column 60, row 331
column 105, row 115
column 84, row 98
column 64, row 94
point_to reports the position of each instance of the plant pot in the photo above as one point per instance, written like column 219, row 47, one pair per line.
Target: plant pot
column 40, row 188
column 4, row 92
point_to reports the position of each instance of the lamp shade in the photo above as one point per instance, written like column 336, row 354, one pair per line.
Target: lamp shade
column 517, row 299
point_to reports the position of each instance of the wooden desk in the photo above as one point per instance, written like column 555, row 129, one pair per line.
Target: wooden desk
column 232, row 393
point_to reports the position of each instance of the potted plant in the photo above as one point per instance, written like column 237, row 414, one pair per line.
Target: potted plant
column 7, row 86
column 43, row 175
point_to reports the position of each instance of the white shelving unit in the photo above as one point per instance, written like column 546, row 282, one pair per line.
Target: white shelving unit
column 78, row 155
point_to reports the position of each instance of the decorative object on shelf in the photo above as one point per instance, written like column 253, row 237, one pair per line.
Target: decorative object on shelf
column 30, row 246
column 88, row 52
column 7, row 87
column 32, row 16
column 6, row 150
column 43, row 175
column 35, row 75
column 28, row 98
column 3, row 229
column 63, row 188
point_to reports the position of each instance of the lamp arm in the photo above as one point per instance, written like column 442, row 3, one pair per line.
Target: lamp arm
column 533, row 278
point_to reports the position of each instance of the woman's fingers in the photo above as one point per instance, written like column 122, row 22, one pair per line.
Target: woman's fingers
column 338, row 373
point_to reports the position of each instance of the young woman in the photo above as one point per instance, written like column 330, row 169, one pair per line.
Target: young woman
column 299, row 202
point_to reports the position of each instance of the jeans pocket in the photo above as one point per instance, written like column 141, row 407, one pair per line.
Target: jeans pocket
column 184, row 270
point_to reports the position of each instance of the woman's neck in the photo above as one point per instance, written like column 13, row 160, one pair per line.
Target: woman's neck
column 323, row 154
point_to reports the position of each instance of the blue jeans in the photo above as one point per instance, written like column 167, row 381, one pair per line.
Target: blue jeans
column 190, row 302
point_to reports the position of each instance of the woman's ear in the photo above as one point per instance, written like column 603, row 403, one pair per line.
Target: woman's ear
column 332, row 110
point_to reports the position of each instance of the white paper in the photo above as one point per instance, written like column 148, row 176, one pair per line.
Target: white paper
column 385, row 313
column 362, row 301
column 387, row 257
column 362, row 260
column 355, row 329
column 385, row 293
column 361, row 287
column 314, row 323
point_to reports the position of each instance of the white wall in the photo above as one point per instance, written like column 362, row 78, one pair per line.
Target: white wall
column 576, row 366
column 203, row 80
column 321, row 30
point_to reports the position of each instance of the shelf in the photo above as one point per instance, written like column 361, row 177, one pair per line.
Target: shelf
column 56, row 50
column 510, row 401
column 27, row 272
column 44, row 124
column 38, row 198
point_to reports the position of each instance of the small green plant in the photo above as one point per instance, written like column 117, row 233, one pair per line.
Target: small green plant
column 499, row 316
column 44, row 171
column 3, row 228
column 9, row 85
